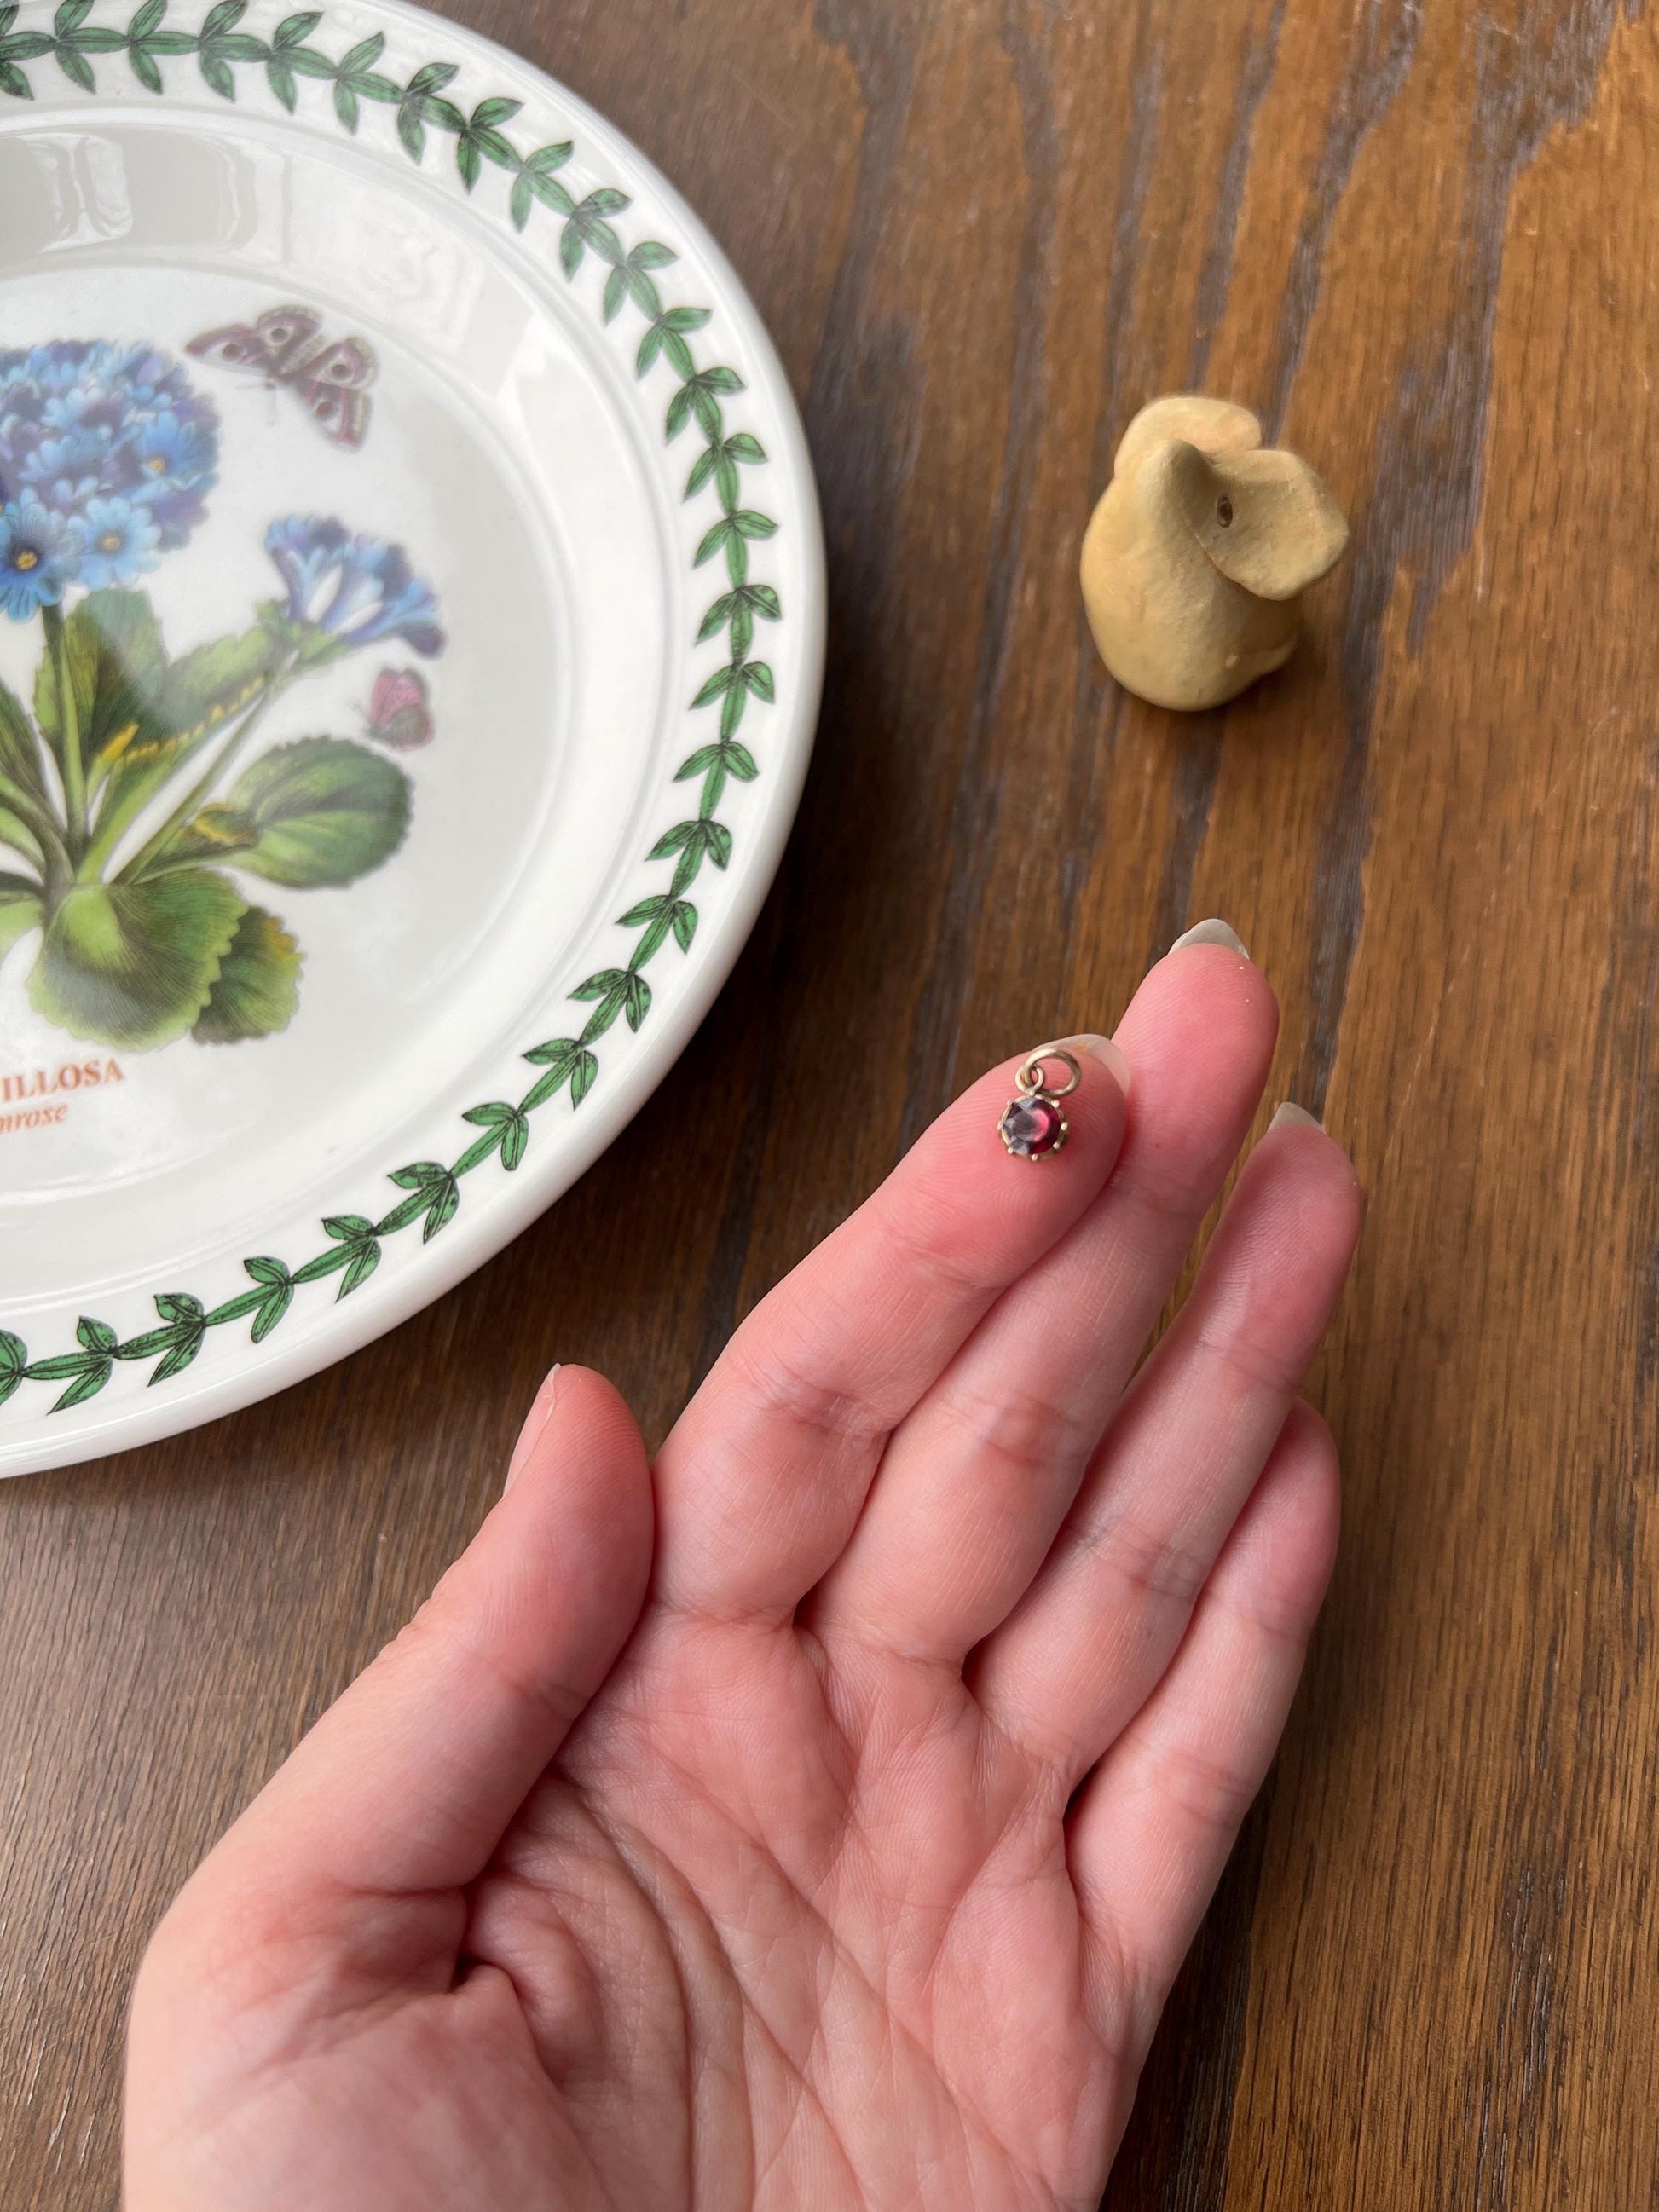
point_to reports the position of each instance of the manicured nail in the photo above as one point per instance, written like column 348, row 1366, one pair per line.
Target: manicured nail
column 1292, row 1116
column 536, row 1420
column 1111, row 1056
column 1213, row 931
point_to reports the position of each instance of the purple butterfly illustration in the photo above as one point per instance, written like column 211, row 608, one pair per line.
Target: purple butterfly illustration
column 285, row 346
column 400, row 710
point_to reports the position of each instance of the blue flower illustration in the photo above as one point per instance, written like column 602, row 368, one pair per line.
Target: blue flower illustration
column 83, row 421
column 176, row 514
column 357, row 590
column 40, row 556
column 63, row 468
column 120, row 540
column 19, row 445
column 176, row 452
column 306, row 549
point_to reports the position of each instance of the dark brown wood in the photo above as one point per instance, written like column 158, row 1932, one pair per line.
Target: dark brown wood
column 1422, row 240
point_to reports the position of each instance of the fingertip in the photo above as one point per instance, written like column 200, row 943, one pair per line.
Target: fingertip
column 1095, row 1112
column 581, row 1447
column 965, row 1156
column 1331, row 1196
column 1199, row 1034
column 1301, row 1133
column 1205, row 991
column 1276, row 1267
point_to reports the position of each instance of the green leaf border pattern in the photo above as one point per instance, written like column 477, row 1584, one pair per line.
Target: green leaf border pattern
column 429, row 1191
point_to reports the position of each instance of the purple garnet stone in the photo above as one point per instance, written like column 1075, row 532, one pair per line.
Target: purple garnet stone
column 1032, row 1127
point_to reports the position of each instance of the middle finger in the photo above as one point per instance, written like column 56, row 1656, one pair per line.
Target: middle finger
column 974, row 1484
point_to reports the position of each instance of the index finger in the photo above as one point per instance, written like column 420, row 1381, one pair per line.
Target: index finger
column 761, row 1481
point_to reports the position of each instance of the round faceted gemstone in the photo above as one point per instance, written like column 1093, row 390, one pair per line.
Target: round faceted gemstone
column 1032, row 1127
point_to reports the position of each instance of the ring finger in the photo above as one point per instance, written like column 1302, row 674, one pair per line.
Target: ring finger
column 1091, row 1638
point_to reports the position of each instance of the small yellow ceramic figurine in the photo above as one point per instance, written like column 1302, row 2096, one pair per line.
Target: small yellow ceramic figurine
column 1195, row 558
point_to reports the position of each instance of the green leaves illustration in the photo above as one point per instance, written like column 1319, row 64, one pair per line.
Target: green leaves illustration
column 21, row 909
column 138, row 954
column 321, row 811
column 13, row 1362
column 133, row 964
column 258, row 986
column 19, row 753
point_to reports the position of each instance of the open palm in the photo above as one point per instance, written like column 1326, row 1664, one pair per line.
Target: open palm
column 816, row 1819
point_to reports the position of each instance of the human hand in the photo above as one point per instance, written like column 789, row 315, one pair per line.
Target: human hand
column 818, row 1818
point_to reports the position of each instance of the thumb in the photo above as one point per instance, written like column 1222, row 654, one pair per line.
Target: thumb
column 406, row 1784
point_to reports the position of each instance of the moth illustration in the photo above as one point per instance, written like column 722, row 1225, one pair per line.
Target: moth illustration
column 400, row 710
column 286, row 347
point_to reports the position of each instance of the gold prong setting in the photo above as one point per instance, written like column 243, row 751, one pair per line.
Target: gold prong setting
column 1032, row 1126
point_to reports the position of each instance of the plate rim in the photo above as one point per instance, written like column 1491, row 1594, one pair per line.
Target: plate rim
column 471, row 1238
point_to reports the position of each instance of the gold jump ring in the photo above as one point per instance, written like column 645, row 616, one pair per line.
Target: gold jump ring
column 1031, row 1079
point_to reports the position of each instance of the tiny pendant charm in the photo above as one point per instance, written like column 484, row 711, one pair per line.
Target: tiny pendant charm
column 1032, row 1126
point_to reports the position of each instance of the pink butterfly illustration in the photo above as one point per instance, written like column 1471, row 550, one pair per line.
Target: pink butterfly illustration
column 285, row 346
column 400, row 711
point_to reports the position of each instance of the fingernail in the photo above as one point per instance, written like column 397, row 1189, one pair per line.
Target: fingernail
column 536, row 1420
column 1111, row 1056
column 1213, row 931
column 1292, row 1116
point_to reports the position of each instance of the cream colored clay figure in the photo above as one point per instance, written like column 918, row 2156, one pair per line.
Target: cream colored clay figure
column 1194, row 560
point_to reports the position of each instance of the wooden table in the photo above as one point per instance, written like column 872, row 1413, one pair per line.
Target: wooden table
column 1420, row 238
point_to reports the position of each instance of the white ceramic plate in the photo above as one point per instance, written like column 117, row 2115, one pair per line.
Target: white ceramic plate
column 401, row 492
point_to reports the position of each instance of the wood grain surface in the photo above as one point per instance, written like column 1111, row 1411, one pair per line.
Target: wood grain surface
column 1420, row 237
